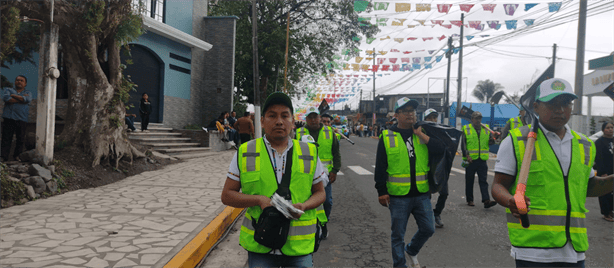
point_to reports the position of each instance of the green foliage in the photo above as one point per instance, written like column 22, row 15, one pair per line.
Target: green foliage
column 62, row 174
column 319, row 29
column 240, row 108
column 94, row 15
column 11, row 190
column 192, row 127
column 130, row 28
column 116, row 121
column 10, row 27
column 593, row 126
column 60, row 144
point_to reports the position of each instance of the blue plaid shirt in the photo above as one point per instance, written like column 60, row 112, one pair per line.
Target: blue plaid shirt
column 16, row 111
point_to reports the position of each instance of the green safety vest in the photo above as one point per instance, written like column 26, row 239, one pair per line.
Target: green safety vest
column 557, row 202
column 476, row 148
column 515, row 122
column 399, row 168
column 258, row 178
column 325, row 144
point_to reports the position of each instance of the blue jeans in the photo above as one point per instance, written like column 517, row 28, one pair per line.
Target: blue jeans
column 270, row 260
column 400, row 209
column 328, row 203
column 130, row 122
column 521, row 263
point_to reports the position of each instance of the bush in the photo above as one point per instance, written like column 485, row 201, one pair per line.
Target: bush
column 11, row 190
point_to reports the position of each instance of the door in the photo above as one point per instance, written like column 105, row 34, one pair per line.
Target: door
column 146, row 72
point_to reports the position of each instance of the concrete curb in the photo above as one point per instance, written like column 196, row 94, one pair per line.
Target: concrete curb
column 196, row 249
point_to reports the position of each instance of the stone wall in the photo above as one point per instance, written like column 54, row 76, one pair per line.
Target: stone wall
column 199, row 136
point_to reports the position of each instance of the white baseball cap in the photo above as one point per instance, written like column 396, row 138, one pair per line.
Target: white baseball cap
column 429, row 112
column 405, row 101
column 553, row 88
column 308, row 138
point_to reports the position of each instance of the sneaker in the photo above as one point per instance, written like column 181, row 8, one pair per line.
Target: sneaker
column 412, row 261
column 205, row 129
column 438, row 221
column 232, row 143
column 489, row 203
column 470, row 203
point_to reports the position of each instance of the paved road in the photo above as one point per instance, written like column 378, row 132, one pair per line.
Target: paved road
column 471, row 237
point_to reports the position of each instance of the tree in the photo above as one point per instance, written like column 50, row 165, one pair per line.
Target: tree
column 91, row 34
column 318, row 29
column 515, row 97
column 484, row 90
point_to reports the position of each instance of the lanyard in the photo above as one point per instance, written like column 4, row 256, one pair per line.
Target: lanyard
column 283, row 167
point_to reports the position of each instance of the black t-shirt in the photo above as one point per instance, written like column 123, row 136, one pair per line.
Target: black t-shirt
column 604, row 156
column 434, row 146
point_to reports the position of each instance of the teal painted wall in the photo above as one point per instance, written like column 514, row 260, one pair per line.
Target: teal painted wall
column 179, row 14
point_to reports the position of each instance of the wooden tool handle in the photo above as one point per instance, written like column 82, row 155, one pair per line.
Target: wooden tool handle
column 522, row 180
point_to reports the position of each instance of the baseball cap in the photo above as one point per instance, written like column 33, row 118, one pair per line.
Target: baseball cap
column 311, row 110
column 429, row 112
column 277, row 98
column 476, row 114
column 553, row 88
column 402, row 102
column 327, row 115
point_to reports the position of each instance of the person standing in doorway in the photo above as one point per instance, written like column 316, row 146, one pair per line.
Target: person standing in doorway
column 15, row 115
column 474, row 145
column 145, row 111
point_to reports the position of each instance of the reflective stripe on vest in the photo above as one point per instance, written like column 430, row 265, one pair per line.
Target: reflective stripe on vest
column 325, row 142
column 557, row 202
column 515, row 122
column 321, row 214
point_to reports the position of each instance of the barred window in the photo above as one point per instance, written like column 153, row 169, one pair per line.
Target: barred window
column 151, row 8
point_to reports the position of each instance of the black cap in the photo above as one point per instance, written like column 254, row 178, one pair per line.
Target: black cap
column 277, row 98
column 327, row 115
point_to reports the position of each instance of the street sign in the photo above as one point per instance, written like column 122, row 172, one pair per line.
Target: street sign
column 609, row 91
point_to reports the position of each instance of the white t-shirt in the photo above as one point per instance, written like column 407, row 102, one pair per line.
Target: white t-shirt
column 506, row 164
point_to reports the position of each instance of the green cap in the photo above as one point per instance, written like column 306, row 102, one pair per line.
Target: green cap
column 277, row 98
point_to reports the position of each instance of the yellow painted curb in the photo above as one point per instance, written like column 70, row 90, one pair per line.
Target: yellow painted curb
column 194, row 251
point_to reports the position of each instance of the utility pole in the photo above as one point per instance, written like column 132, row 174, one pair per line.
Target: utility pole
column 579, row 83
column 460, row 73
column 257, row 111
column 553, row 59
column 446, row 98
column 374, row 56
column 287, row 44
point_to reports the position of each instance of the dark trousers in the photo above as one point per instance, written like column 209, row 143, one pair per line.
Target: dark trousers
column 605, row 203
column 130, row 122
column 441, row 200
column 477, row 166
column 144, row 121
column 244, row 137
column 12, row 127
column 521, row 263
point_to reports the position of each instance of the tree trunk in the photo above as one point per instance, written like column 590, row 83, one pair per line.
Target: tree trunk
column 95, row 121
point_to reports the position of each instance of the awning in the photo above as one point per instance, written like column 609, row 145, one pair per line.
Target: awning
column 596, row 82
column 174, row 34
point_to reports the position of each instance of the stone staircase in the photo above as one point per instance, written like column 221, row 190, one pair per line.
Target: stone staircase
column 164, row 140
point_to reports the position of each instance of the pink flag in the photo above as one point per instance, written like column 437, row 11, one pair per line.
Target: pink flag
column 474, row 24
column 510, row 8
column 438, row 22
column 380, row 60
column 385, row 67
column 466, row 7
column 489, row 7
column 394, row 50
column 412, row 38
column 443, row 8
column 449, row 26
column 442, row 37
column 456, row 23
column 427, row 38
column 375, row 67
column 392, row 60
column 404, row 59
column 396, row 68
column 406, row 52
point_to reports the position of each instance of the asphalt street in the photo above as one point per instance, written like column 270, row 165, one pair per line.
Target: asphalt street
column 471, row 237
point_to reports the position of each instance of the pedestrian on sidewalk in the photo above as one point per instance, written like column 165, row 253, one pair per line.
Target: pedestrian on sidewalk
column 474, row 145
column 262, row 167
column 15, row 114
column 145, row 111
column 245, row 127
column 431, row 115
column 560, row 178
column 401, row 171
column 328, row 151
column 603, row 164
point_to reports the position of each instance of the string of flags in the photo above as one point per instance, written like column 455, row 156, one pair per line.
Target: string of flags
column 510, row 9
column 478, row 25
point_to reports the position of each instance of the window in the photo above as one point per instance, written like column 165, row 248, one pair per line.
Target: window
column 151, row 8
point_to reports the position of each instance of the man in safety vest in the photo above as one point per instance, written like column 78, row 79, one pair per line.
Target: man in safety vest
column 474, row 146
column 401, row 172
column 328, row 151
column 255, row 174
column 514, row 123
column 327, row 120
column 560, row 178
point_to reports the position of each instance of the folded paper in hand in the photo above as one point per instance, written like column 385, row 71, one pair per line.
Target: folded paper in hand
column 284, row 206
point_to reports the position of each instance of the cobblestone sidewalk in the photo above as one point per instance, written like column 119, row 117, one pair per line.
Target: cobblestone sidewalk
column 143, row 220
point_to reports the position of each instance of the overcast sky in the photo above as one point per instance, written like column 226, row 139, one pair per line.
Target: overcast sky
column 511, row 62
